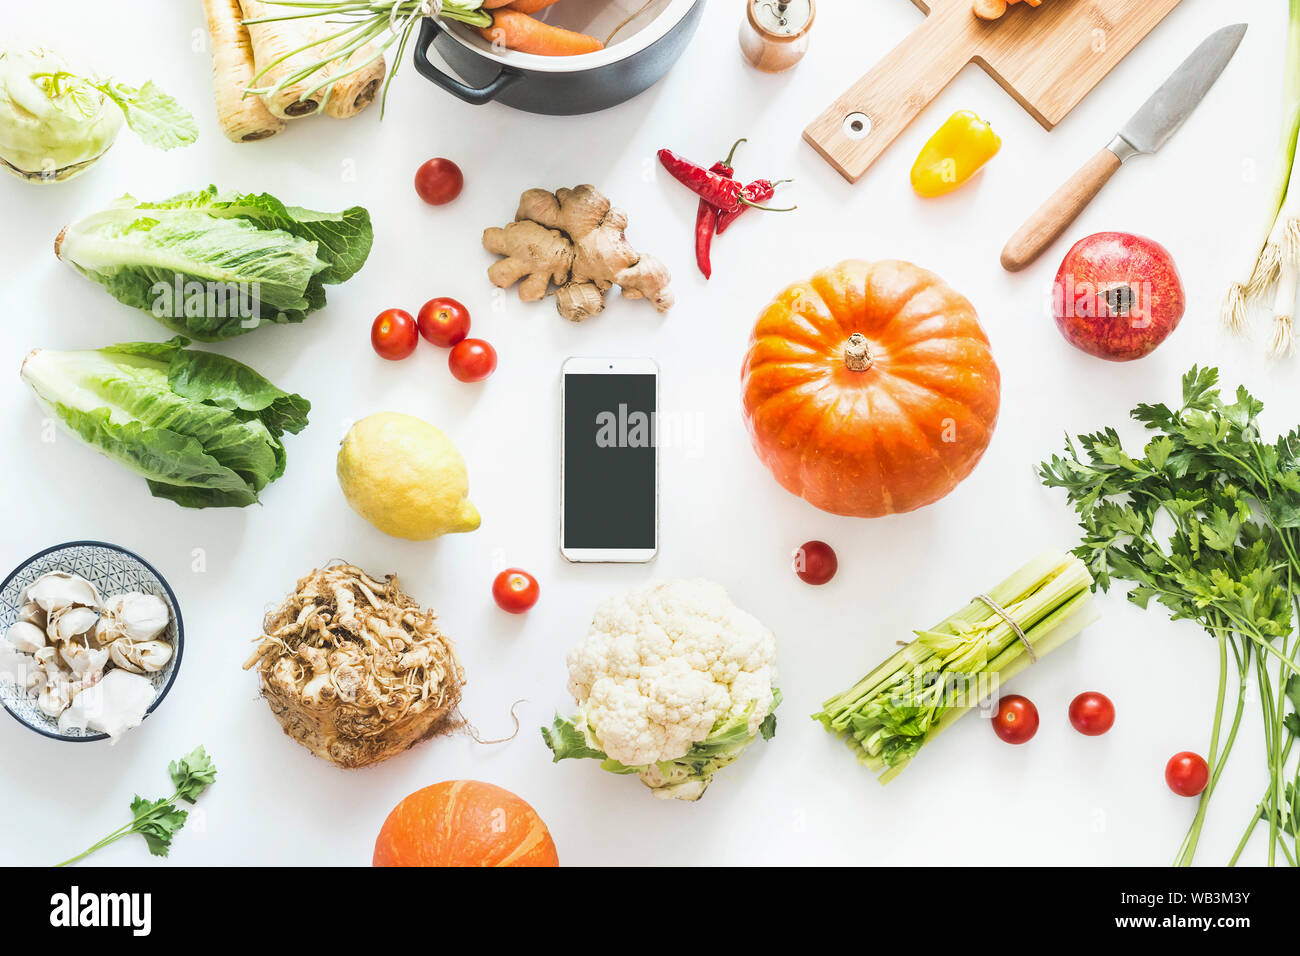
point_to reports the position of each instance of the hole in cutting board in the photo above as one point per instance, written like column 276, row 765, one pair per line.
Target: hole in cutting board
column 857, row 125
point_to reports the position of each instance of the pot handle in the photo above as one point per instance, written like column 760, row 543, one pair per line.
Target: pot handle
column 429, row 30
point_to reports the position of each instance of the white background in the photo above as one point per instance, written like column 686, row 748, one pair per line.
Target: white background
column 1063, row 799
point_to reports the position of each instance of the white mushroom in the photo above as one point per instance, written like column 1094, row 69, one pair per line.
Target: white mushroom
column 33, row 613
column 134, row 616
column 71, row 622
column 140, row 657
column 25, row 637
column 84, row 662
column 58, row 590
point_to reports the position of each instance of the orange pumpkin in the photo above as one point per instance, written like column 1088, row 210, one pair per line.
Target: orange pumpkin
column 870, row 389
column 464, row 823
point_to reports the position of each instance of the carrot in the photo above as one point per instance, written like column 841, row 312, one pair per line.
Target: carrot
column 529, row 6
column 243, row 118
column 519, row 31
column 993, row 9
column 495, row 4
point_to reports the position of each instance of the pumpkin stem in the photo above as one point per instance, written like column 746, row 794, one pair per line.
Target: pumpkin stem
column 857, row 353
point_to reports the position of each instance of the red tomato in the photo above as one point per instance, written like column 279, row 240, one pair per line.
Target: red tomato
column 1092, row 714
column 515, row 591
column 394, row 334
column 439, row 181
column 444, row 322
column 1187, row 774
column 472, row 360
column 815, row 562
column 1016, row 721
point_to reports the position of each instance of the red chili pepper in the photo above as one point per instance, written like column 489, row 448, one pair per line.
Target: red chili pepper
column 722, row 194
column 757, row 192
column 706, row 219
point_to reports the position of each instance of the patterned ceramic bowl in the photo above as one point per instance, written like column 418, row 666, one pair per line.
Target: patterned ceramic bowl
column 112, row 570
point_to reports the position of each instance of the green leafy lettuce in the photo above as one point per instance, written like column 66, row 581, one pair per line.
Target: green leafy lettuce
column 203, row 429
column 685, row 778
column 213, row 266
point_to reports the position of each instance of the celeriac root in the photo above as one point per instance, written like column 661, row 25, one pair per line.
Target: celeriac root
column 243, row 119
column 354, row 670
column 574, row 239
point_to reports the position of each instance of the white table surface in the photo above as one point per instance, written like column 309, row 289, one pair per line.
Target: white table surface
column 801, row 799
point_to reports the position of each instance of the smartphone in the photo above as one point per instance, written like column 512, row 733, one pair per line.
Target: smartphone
column 609, row 460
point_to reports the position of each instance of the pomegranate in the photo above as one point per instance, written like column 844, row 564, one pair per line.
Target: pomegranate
column 1118, row 296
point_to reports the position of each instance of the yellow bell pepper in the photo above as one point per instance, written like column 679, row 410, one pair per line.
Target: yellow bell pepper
column 954, row 154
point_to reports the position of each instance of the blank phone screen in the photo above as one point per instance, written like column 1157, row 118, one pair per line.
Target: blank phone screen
column 609, row 462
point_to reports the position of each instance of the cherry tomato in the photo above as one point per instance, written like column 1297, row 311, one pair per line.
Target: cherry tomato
column 1016, row 721
column 444, row 322
column 515, row 591
column 1092, row 714
column 815, row 562
column 394, row 334
column 1187, row 774
column 472, row 360
column 439, row 181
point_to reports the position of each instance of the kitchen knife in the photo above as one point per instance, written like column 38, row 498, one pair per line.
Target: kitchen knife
column 1148, row 130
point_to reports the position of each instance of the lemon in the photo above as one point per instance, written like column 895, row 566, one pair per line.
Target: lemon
column 406, row 478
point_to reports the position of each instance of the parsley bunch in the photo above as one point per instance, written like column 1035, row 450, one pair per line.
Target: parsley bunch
column 1207, row 523
column 159, row 820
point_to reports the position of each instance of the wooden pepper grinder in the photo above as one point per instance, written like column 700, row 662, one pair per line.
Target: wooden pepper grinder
column 774, row 34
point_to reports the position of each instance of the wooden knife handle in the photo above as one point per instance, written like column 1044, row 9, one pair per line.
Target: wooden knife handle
column 1054, row 216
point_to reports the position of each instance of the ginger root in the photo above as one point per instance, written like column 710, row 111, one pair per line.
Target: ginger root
column 575, row 240
column 354, row 670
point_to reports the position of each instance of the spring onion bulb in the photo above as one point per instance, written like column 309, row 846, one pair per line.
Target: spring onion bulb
column 1274, row 273
column 929, row 683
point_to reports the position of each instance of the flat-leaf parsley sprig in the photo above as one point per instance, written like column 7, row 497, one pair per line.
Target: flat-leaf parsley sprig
column 159, row 820
column 1207, row 522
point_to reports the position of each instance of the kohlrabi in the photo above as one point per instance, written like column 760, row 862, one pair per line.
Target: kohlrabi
column 55, row 123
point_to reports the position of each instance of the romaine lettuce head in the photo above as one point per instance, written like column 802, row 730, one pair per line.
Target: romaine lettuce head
column 214, row 266
column 203, row 429
column 685, row 778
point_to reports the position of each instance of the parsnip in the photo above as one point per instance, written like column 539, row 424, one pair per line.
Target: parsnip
column 354, row 92
column 243, row 118
column 278, row 52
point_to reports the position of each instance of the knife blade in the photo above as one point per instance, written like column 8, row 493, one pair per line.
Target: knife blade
column 1146, row 132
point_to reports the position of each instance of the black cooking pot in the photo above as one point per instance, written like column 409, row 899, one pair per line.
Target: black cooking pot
column 560, row 85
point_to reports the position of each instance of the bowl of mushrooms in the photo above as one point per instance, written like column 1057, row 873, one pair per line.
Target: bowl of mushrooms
column 90, row 641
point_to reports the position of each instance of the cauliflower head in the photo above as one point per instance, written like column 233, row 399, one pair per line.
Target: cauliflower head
column 673, row 682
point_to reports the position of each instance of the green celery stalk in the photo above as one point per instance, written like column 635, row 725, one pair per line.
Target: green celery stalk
column 886, row 716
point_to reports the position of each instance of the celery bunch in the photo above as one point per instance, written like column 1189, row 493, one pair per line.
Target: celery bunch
column 930, row 682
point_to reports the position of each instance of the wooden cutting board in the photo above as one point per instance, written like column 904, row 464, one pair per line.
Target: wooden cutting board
column 1048, row 57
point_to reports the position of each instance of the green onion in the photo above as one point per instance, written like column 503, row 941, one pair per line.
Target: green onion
column 887, row 717
column 1275, row 268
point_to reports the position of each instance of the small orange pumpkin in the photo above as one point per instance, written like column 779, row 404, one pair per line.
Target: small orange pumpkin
column 870, row 389
column 464, row 823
